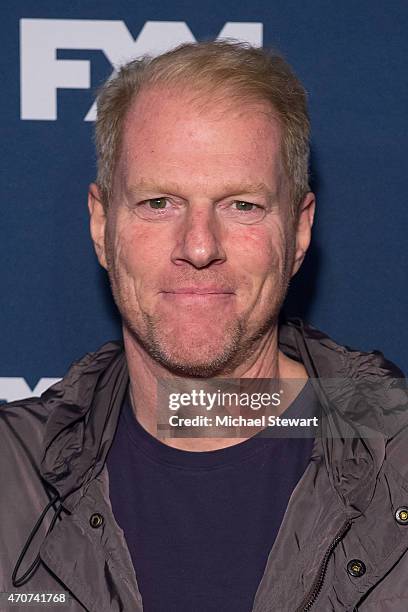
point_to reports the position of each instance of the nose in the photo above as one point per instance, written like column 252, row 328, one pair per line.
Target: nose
column 199, row 239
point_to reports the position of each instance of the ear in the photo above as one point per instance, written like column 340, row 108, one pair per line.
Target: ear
column 97, row 222
column 304, row 230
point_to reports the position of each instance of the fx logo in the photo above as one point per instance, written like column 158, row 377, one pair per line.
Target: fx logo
column 41, row 73
column 15, row 388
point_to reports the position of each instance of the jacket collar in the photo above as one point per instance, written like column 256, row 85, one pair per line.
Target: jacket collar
column 77, row 438
column 351, row 386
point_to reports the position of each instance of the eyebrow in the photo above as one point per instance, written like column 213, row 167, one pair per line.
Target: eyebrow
column 148, row 185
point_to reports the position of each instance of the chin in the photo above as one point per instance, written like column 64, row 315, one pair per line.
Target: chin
column 202, row 359
column 204, row 348
column 187, row 352
column 197, row 364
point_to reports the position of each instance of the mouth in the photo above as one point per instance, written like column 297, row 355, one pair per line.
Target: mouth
column 198, row 295
column 192, row 290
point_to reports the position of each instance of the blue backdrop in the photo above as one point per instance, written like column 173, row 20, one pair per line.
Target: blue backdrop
column 353, row 60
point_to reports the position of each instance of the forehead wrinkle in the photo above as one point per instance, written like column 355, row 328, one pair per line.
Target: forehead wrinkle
column 145, row 184
column 224, row 187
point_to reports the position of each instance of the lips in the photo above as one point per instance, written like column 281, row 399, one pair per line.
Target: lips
column 203, row 296
column 193, row 290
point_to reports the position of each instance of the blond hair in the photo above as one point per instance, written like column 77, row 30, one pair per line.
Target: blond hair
column 222, row 66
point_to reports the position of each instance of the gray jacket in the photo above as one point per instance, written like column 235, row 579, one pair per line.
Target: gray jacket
column 344, row 538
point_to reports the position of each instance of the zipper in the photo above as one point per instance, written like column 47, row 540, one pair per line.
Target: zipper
column 316, row 587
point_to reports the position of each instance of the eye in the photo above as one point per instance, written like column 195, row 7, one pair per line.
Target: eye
column 243, row 212
column 245, row 206
column 156, row 209
column 156, row 203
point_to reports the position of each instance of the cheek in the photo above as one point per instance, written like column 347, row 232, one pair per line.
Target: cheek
column 131, row 253
column 260, row 250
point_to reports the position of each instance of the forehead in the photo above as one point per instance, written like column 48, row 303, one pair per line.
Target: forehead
column 176, row 132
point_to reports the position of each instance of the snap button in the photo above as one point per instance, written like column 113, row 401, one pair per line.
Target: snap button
column 401, row 515
column 356, row 568
column 96, row 520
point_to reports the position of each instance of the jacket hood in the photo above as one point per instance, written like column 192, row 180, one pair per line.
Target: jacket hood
column 77, row 438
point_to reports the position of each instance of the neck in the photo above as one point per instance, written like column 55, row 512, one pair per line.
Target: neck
column 266, row 362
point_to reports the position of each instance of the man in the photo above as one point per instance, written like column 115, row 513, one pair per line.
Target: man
column 201, row 214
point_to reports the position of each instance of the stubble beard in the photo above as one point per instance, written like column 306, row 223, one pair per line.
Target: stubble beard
column 239, row 347
column 239, row 344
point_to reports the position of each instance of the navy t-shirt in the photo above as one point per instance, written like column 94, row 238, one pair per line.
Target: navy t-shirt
column 200, row 525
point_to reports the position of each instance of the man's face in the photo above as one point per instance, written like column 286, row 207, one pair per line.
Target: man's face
column 199, row 244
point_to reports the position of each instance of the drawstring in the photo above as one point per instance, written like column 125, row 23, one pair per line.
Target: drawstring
column 20, row 581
